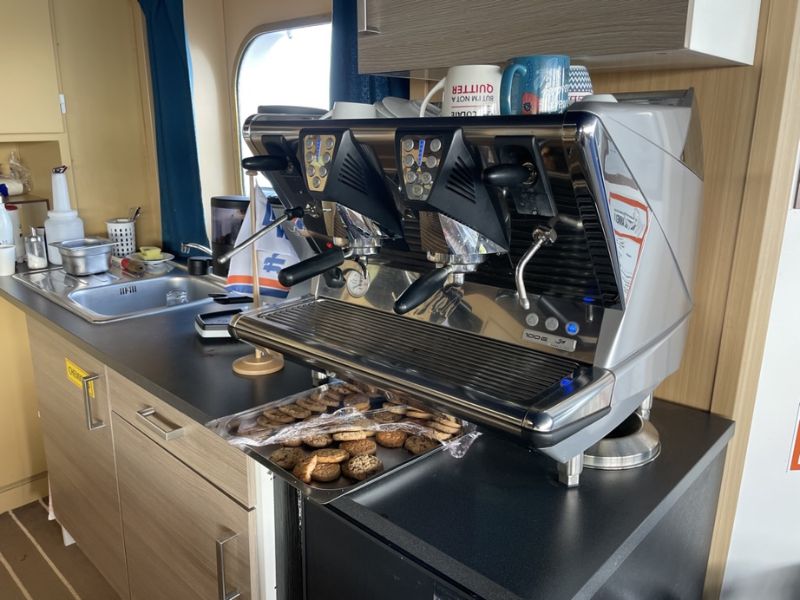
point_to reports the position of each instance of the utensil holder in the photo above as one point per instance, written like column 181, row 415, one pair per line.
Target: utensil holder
column 123, row 233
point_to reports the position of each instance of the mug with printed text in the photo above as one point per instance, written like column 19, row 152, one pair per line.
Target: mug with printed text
column 468, row 91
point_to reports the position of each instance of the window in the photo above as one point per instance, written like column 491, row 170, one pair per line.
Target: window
column 284, row 67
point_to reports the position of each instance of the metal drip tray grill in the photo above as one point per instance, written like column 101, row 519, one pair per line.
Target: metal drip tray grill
column 499, row 380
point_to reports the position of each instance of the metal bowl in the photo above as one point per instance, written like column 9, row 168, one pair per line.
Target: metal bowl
column 85, row 256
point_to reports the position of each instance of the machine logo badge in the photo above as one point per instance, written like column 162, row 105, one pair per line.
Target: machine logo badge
column 548, row 339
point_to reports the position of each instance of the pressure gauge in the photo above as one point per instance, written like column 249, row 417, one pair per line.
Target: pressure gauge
column 357, row 283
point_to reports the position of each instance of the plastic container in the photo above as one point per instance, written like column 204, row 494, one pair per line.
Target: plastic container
column 13, row 213
column 62, row 222
column 35, row 251
column 6, row 226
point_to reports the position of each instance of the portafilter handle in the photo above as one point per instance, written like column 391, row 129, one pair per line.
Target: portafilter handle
column 422, row 289
column 306, row 269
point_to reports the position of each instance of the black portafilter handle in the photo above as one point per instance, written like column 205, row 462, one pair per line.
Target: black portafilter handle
column 422, row 289
column 306, row 269
column 507, row 175
column 265, row 163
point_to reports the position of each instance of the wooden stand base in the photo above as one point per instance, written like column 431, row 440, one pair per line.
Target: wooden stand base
column 262, row 362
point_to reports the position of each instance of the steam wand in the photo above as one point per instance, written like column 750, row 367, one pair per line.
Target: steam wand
column 542, row 236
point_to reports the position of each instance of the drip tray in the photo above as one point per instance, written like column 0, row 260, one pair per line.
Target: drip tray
column 477, row 377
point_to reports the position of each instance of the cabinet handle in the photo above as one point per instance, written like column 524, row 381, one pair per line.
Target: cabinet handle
column 363, row 23
column 166, row 434
column 91, row 422
column 224, row 594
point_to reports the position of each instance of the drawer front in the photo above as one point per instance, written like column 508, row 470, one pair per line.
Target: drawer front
column 76, row 423
column 184, row 538
column 223, row 465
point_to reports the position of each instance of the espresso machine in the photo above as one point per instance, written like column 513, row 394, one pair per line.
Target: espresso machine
column 532, row 274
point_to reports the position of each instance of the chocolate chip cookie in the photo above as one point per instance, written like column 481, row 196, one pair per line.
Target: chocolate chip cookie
column 391, row 439
column 287, row 458
column 358, row 447
column 420, row 444
column 332, row 455
column 303, row 469
column 325, row 472
column 362, row 466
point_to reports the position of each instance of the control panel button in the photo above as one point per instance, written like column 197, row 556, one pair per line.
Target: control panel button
column 572, row 328
column 431, row 161
column 426, row 177
column 408, row 160
column 309, row 157
column 408, row 144
column 329, row 142
column 323, row 172
column 416, row 190
column 315, row 182
column 551, row 324
column 311, row 171
column 309, row 143
column 436, row 144
column 532, row 319
column 326, row 158
column 411, row 177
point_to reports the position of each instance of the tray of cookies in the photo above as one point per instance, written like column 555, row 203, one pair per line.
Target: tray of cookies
column 335, row 438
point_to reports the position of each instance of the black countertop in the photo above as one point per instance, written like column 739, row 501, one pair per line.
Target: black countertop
column 496, row 520
column 164, row 355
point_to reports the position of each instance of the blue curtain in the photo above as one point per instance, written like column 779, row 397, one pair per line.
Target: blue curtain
column 346, row 84
column 176, row 146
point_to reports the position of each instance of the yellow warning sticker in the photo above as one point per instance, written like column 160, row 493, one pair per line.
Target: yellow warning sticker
column 75, row 374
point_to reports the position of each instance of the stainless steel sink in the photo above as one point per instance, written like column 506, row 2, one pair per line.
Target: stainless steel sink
column 114, row 295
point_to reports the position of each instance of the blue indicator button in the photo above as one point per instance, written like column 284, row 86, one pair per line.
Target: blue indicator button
column 572, row 328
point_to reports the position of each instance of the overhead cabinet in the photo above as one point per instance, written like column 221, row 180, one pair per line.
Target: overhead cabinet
column 401, row 36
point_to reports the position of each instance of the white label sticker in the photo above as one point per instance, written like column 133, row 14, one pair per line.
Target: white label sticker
column 631, row 219
column 548, row 339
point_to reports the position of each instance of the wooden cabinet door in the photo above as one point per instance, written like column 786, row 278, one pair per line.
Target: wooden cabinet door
column 79, row 450
column 29, row 102
column 183, row 536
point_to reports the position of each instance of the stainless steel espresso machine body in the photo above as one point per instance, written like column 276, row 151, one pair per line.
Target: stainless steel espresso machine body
column 532, row 274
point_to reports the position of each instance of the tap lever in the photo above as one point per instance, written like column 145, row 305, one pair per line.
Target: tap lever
column 508, row 175
column 306, row 269
column 422, row 289
column 290, row 214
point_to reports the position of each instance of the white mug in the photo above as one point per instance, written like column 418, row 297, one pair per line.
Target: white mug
column 468, row 91
column 351, row 110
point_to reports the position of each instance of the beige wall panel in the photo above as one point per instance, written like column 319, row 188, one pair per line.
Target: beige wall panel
column 727, row 102
column 212, row 108
column 28, row 65
column 100, row 77
column 21, row 448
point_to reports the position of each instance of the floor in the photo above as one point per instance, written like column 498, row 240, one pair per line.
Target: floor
column 35, row 564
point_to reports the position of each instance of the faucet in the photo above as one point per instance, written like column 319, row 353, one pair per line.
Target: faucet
column 186, row 246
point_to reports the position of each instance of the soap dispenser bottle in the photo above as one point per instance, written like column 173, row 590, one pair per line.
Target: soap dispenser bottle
column 6, row 227
column 62, row 222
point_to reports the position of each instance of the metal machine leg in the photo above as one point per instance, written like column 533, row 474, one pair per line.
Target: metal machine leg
column 569, row 473
column 644, row 409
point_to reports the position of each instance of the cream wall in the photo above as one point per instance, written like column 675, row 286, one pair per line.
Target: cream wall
column 217, row 32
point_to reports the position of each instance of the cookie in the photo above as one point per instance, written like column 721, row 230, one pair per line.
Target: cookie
column 445, row 419
column 332, row 455
column 292, row 443
column 416, row 413
column 326, row 472
column 347, row 436
column 329, row 398
column 362, row 466
column 399, row 409
column 298, row 412
column 359, row 447
column 445, row 427
column 386, row 416
column 303, row 469
column 420, row 444
column 440, row 435
column 358, row 401
column 287, row 458
column 277, row 416
column 391, row 439
column 309, row 404
column 318, row 441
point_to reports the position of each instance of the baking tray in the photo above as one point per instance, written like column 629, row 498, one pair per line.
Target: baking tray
column 393, row 459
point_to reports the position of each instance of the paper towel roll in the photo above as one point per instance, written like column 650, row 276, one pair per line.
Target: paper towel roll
column 14, row 186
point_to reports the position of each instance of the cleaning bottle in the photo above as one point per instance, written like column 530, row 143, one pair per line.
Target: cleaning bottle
column 6, row 227
column 62, row 222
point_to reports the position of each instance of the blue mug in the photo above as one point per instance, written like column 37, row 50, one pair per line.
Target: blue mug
column 535, row 84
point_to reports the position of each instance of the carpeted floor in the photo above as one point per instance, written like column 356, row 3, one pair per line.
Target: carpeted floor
column 35, row 564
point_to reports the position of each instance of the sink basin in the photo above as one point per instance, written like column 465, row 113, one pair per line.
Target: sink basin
column 114, row 296
column 143, row 297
